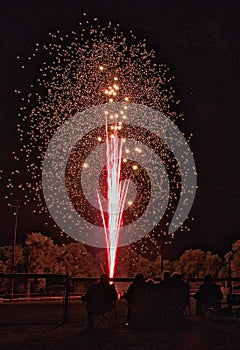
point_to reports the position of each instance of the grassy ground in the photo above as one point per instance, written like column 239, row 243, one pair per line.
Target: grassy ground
column 31, row 327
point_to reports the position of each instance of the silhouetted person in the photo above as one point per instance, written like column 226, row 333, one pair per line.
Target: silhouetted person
column 179, row 296
column 136, row 300
column 163, row 303
column 209, row 295
column 165, row 283
column 100, row 298
column 151, row 301
column 173, row 299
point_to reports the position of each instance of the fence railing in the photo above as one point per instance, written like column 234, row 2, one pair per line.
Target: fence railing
column 62, row 288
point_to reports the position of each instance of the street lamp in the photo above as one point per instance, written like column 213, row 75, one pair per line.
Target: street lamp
column 161, row 255
column 230, row 278
column 162, row 243
column 16, row 207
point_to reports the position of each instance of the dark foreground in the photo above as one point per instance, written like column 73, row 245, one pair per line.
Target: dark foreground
column 26, row 330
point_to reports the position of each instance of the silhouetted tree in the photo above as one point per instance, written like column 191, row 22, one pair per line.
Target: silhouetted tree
column 197, row 263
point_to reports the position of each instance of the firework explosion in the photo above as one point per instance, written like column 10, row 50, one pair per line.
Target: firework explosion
column 116, row 194
column 84, row 69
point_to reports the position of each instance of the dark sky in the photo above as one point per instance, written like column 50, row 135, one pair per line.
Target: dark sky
column 199, row 42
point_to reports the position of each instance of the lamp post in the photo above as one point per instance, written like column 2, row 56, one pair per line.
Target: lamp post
column 161, row 254
column 16, row 207
column 230, row 278
column 162, row 243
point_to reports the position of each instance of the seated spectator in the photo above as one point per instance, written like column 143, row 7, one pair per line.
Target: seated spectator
column 151, row 302
column 179, row 296
column 163, row 302
column 173, row 299
column 209, row 295
column 136, row 300
column 166, row 277
column 100, row 299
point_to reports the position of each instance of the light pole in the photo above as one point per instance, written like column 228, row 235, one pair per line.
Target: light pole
column 230, row 278
column 16, row 206
column 161, row 254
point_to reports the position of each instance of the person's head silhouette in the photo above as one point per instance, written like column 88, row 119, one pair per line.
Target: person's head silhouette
column 208, row 279
column 104, row 280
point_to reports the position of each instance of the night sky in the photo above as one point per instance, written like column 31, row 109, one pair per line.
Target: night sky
column 199, row 42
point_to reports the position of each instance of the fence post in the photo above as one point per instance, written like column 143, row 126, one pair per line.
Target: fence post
column 66, row 300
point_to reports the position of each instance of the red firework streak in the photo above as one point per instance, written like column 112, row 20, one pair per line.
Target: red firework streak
column 116, row 195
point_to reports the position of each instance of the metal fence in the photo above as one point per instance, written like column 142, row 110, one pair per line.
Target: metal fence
column 51, row 304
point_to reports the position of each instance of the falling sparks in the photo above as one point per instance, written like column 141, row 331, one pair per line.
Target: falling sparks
column 116, row 196
column 116, row 190
column 87, row 67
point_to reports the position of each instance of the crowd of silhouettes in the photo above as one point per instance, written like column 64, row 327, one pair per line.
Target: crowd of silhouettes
column 154, row 304
column 157, row 304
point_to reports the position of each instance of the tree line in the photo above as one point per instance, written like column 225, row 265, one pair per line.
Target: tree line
column 39, row 254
